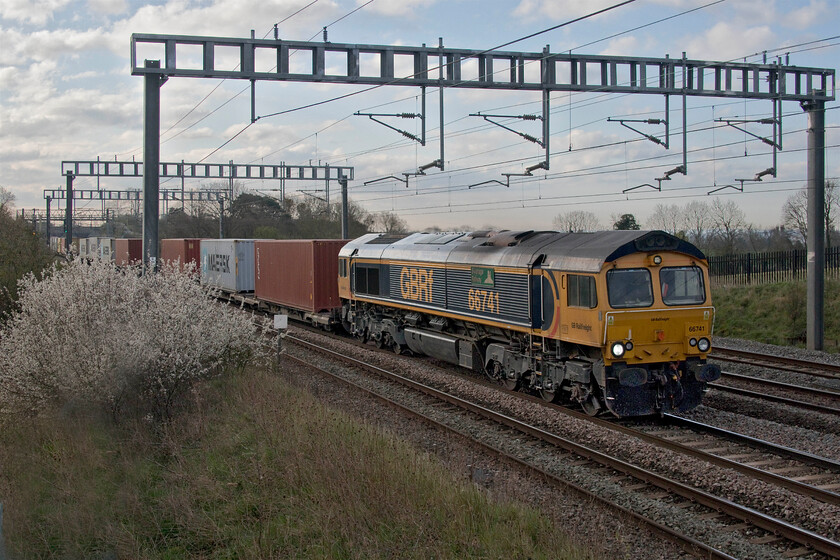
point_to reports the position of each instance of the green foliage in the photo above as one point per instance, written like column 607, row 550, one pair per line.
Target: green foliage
column 626, row 221
column 256, row 470
column 255, row 216
column 774, row 313
column 22, row 251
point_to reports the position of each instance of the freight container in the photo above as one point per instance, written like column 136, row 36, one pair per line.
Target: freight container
column 182, row 250
column 57, row 244
column 228, row 264
column 84, row 247
column 128, row 251
column 103, row 248
column 106, row 249
column 300, row 274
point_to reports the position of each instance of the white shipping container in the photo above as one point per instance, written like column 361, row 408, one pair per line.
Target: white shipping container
column 84, row 244
column 106, row 248
column 228, row 264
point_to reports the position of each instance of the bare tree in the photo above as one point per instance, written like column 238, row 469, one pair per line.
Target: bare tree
column 388, row 222
column 577, row 220
column 7, row 199
column 668, row 218
column 696, row 221
column 795, row 213
column 727, row 220
column 795, row 210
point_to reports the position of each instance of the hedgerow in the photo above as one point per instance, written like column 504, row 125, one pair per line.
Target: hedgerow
column 90, row 334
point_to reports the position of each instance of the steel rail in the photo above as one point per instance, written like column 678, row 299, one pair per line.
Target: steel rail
column 791, row 532
column 772, row 478
column 789, row 386
column 776, row 399
column 794, row 365
column 775, row 448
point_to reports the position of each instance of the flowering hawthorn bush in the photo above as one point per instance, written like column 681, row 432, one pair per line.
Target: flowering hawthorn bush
column 89, row 333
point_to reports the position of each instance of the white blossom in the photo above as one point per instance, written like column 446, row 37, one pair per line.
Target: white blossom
column 91, row 333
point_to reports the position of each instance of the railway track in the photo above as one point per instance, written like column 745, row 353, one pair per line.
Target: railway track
column 764, row 530
column 804, row 473
column 819, row 400
column 794, row 365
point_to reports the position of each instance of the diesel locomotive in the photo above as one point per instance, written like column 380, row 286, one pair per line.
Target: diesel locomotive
column 617, row 321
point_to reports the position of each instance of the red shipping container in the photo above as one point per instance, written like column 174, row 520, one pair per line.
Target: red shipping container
column 301, row 274
column 181, row 250
column 128, row 251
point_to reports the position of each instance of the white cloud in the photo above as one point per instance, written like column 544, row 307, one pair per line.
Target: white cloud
column 20, row 48
column 530, row 10
column 396, row 7
column 725, row 41
column 622, row 46
column 108, row 7
column 805, row 16
column 81, row 76
column 36, row 12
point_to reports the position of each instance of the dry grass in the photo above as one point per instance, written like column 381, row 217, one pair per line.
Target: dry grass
column 253, row 471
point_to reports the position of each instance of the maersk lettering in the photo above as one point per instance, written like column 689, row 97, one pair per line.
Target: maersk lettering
column 416, row 284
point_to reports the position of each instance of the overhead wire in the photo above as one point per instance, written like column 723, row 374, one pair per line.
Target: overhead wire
column 398, row 143
column 589, row 103
column 462, row 132
column 581, row 172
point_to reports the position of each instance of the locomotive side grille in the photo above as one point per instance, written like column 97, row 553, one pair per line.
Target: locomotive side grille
column 509, row 301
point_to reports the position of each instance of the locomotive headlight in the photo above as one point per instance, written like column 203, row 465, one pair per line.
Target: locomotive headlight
column 628, row 345
column 692, row 342
column 703, row 344
column 617, row 349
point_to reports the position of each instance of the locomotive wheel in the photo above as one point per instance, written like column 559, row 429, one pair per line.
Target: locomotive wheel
column 591, row 406
column 511, row 384
column 396, row 348
column 548, row 396
column 379, row 342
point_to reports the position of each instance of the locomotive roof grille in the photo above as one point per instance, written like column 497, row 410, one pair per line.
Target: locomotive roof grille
column 385, row 239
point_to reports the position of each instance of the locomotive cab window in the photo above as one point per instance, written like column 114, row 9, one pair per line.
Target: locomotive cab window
column 629, row 287
column 682, row 285
column 367, row 279
column 342, row 268
column 581, row 291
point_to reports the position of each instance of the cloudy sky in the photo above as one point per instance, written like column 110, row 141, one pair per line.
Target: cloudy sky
column 67, row 94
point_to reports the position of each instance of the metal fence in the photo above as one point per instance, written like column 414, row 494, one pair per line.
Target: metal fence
column 763, row 268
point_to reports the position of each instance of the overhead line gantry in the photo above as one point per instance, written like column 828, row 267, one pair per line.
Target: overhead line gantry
column 183, row 170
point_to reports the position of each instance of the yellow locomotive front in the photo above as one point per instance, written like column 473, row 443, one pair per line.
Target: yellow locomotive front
column 649, row 312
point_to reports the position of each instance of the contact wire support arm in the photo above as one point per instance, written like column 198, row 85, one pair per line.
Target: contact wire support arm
column 421, row 140
column 528, row 137
column 651, row 137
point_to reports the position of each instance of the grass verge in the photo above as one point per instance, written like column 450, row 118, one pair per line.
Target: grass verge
column 774, row 313
column 255, row 470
